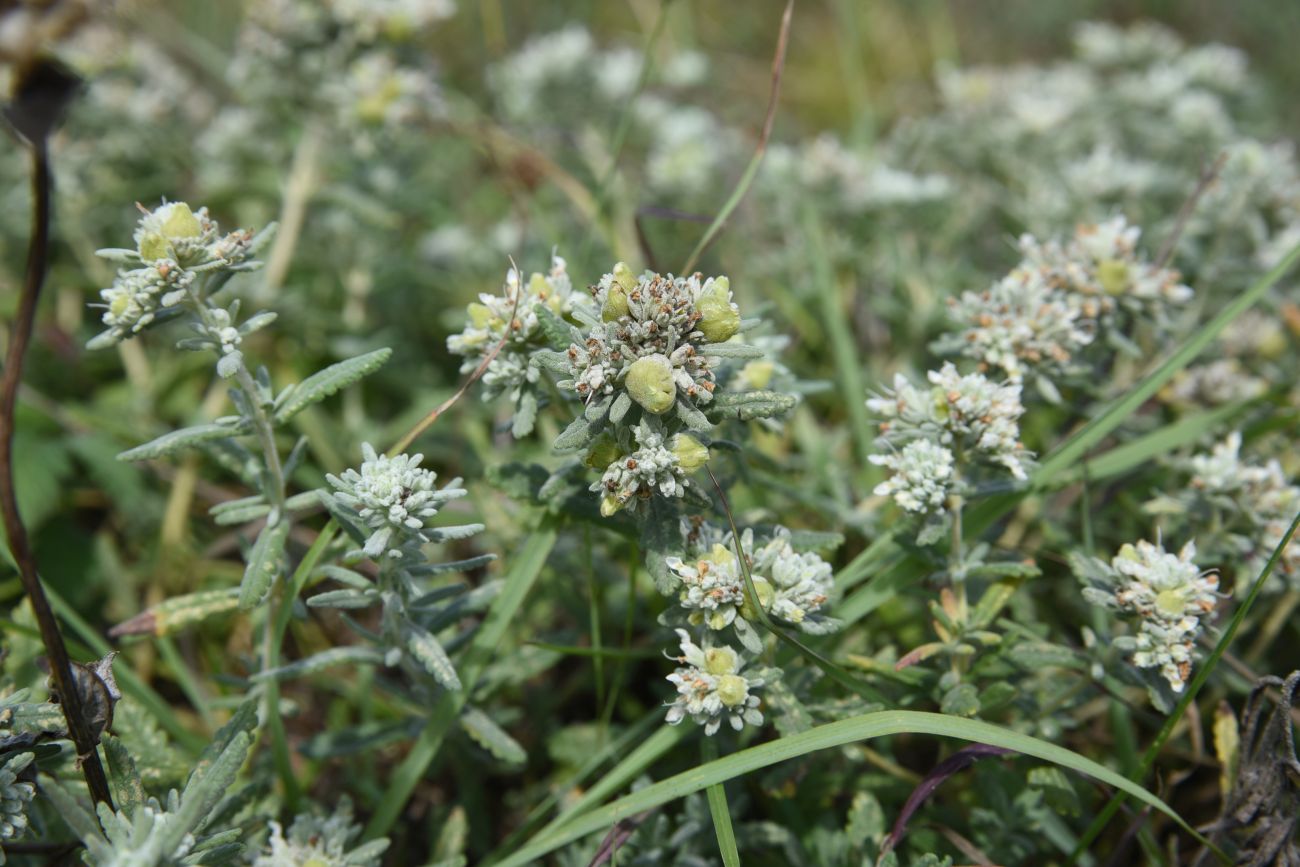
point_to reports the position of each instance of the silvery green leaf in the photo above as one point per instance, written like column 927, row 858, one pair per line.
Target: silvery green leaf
column 70, row 810
column 346, row 577
column 211, row 854
column 128, row 789
column 263, row 565
column 752, row 404
column 344, row 516
column 598, row 409
column 194, row 344
column 731, row 350
column 692, row 417
column 557, row 333
column 426, row 650
column 241, row 514
column 118, row 254
column 575, row 436
column 549, row 359
column 814, row 540
column 491, row 737
column 177, row 440
column 452, row 565
column 458, row 531
column 349, row 655
column 619, row 408
column 203, row 791
column 324, row 383
column 748, row 635
column 525, row 415
column 344, row 599
column 434, row 597
column 304, row 500
column 257, row 321
column 472, row 602
column 173, row 614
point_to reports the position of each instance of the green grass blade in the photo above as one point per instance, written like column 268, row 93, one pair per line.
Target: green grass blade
column 721, row 813
column 844, row 350
column 520, row 578
column 1189, row 695
column 864, row 727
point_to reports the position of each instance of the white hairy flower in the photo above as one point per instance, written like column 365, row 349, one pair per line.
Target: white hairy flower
column 136, row 296
column 652, row 469
column 318, row 841
column 394, row 497
column 1169, row 594
column 923, row 475
column 711, row 688
column 1222, row 381
column 801, row 581
column 712, row 587
column 970, row 415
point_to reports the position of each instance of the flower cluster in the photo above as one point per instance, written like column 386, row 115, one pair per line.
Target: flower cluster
column 655, row 466
column 854, row 182
column 962, row 419
column 1038, row 319
column 513, row 316
column 652, row 342
column 1257, row 499
column 791, row 586
column 1167, row 592
column 315, row 840
column 711, row 688
column 394, row 497
column 174, row 247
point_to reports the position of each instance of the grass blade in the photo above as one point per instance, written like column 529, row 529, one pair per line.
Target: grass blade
column 864, row 727
column 721, row 813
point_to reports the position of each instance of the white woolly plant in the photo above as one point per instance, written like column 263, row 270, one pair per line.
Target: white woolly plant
column 182, row 263
column 386, row 506
column 1171, row 598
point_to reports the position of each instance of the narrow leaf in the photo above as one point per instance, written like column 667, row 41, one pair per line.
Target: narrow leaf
column 263, row 564
column 324, row 383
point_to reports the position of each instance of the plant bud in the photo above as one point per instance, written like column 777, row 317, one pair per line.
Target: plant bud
column 765, row 594
column 650, row 383
column 602, row 452
column 732, row 689
column 720, row 660
column 1113, row 276
column 719, row 318
column 691, row 454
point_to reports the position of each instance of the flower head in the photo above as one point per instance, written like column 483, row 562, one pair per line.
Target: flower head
column 923, row 475
column 320, row 841
column 653, row 468
column 711, row 688
column 15, row 796
column 1169, row 594
column 394, row 497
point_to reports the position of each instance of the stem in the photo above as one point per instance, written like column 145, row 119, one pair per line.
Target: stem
column 79, row 728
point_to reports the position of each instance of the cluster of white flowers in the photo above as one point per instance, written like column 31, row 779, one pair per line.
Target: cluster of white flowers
column 1040, row 317
column 1100, row 268
column 394, row 497
column 1259, row 494
column 394, row 19
column 513, row 315
column 923, row 475
column 1222, row 381
column 1023, row 324
column 853, row 181
column 688, row 146
column 15, row 795
column 318, row 841
column 652, row 340
column 970, row 417
column 656, row 466
column 792, row 586
column 711, row 688
column 1170, row 595
column 174, row 245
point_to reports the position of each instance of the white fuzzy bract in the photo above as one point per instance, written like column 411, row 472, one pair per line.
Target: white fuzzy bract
column 652, row 469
